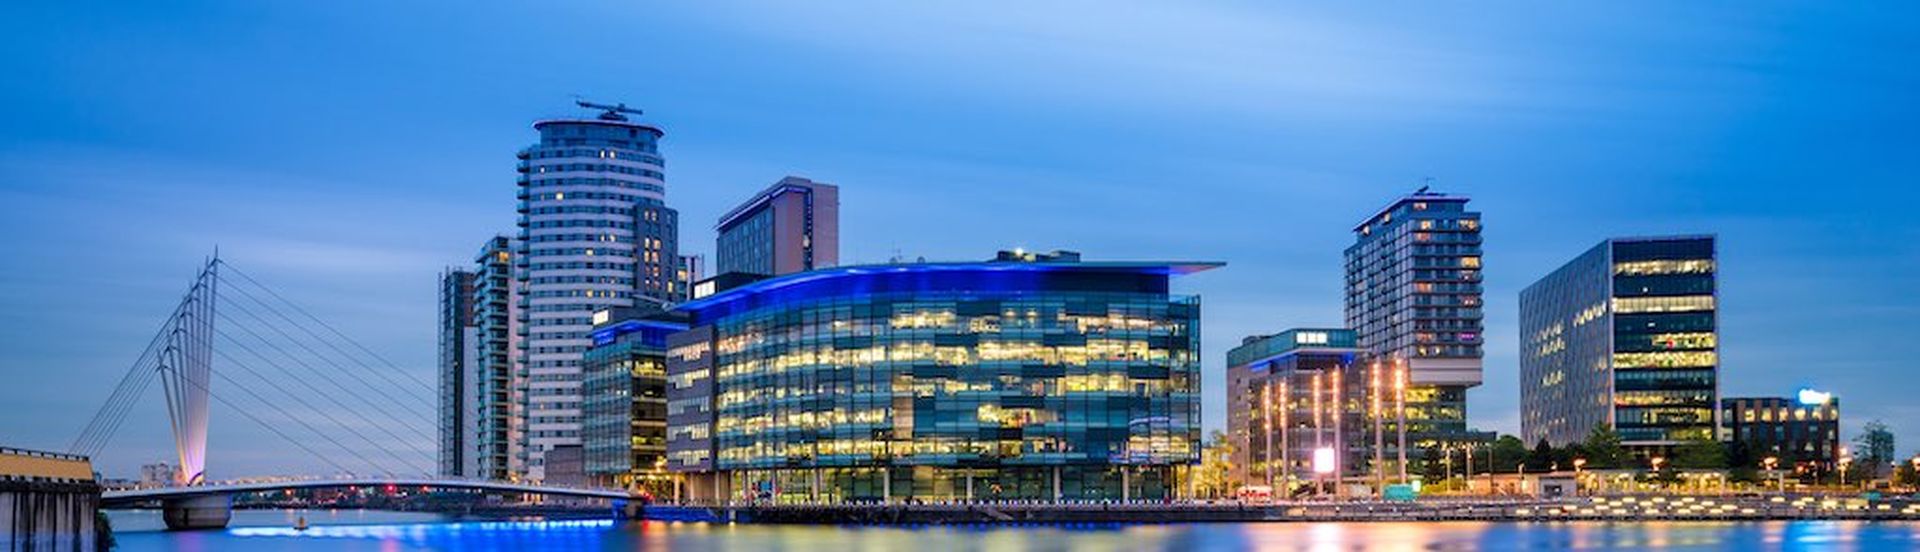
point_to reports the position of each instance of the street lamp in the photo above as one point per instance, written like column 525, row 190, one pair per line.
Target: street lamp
column 1780, row 480
column 1577, row 464
column 1846, row 459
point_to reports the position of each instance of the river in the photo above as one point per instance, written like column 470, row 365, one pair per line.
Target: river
column 396, row 531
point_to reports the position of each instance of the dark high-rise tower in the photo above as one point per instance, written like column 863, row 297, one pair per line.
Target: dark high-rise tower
column 1414, row 298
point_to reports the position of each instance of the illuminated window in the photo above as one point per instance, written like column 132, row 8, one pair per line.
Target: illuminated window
column 1643, row 268
column 1685, row 303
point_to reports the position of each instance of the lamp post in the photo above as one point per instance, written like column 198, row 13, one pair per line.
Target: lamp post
column 1578, row 463
column 1286, row 429
column 1379, row 435
column 1846, row 459
column 1338, row 411
column 1400, row 404
column 1266, row 407
column 1780, row 482
column 1657, row 461
column 1319, row 437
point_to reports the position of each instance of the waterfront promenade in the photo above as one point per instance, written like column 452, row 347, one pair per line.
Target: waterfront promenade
column 1614, row 508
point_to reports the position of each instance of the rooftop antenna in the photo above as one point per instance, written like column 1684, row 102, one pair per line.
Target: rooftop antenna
column 1425, row 184
column 613, row 112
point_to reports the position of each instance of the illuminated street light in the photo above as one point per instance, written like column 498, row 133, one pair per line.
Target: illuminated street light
column 1400, row 404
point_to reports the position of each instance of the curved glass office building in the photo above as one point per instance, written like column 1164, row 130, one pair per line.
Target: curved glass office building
column 1035, row 377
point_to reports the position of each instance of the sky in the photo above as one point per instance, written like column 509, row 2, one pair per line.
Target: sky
column 346, row 152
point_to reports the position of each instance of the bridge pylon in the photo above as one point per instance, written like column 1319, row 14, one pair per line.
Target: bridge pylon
column 186, row 367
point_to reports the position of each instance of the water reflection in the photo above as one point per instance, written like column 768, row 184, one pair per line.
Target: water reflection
column 1311, row 537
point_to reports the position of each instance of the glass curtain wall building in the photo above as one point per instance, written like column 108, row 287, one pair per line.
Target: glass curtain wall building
column 1036, row 379
column 1626, row 334
column 625, row 430
column 1290, row 394
column 1414, row 300
column 595, row 233
column 456, row 361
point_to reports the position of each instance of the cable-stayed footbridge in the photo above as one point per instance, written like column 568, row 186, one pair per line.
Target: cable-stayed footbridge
column 236, row 342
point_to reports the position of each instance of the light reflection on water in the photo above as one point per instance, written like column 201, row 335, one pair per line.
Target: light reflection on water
column 409, row 534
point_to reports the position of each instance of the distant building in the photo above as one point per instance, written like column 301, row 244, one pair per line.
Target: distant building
column 160, row 474
column 456, row 412
column 1292, row 393
column 1625, row 334
column 1414, row 300
column 625, row 433
column 595, row 233
column 1799, row 433
column 1006, row 379
column 792, row 226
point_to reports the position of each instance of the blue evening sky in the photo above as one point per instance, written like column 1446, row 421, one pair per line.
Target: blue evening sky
column 347, row 151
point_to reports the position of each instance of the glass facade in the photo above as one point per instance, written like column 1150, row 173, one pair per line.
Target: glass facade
column 1030, row 380
column 624, row 433
column 1414, row 297
column 1625, row 334
column 456, row 372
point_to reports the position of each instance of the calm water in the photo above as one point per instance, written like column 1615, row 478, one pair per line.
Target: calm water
column 389, row 531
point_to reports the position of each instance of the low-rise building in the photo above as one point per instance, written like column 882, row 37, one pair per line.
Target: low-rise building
column 1800, row 433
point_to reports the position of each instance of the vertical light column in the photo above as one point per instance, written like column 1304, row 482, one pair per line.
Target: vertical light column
column 1400, row 404
column 1379, row 436
column 1266, row 406
column 1338, row 412
column 1319, row 438
column 1286, row 429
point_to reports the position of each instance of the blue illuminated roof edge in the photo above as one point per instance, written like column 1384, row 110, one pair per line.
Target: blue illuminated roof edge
column 770, row 284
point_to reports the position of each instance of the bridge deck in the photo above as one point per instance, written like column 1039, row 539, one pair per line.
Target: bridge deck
column 124, row 497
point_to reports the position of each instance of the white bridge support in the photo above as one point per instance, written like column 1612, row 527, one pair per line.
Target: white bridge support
column 186, row 364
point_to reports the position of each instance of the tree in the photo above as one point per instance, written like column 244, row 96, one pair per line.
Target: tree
column 1508, row 453
column 1432, row 464
column 1906, row 474
column 1875, row 444
column 1700, row 454
column 1542, row 457
column 1602, row 449
column 1215, row 478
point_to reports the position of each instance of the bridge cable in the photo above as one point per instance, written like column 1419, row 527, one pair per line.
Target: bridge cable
column 317, row 354
column 91, row 444
column 207, row 339
column 323, row 413
column 276, row 431
column 284, row 353
column 304, row 382
column 91, row 435
column 296, row 307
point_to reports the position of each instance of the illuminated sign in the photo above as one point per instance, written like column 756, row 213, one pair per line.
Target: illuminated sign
column 600, row 317
column 1310, row 338
column 702, row 289
column 1810, row 397
column 1323, row 460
